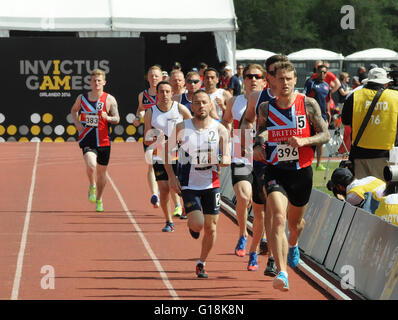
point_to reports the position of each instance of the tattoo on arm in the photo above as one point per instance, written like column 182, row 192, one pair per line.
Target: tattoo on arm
column 320, row 126
column 262, row 135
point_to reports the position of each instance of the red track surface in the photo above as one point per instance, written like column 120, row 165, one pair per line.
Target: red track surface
column 103, row 256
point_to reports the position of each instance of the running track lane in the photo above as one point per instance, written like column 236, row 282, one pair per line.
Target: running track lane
column 118, row 254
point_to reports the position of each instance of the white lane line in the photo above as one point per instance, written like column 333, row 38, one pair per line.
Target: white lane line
column 311, row 273
column 148, row 248
column 18, row 272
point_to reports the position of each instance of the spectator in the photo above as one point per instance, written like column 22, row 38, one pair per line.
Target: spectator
column 239, row 74
column 361, row 73
column 355, row 82
column 202, row 67
column 357, row 192
column 232, row 81
column 176, row 66
column 371, row 153
column 319, row 90
column 344, row 90
column 388, row 208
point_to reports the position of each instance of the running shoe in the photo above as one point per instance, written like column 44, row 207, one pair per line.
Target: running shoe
column 177, row 211
column 155, row 201
column 184, row 214
column 293, row 257
column 169, row 227
column 194, row 234
column 200, row 271
column 92, row 194
column 263, row 246
column 281, row 282
column 320, row 168
column 240, row 249
column 252, row 266
column 271, row 270
column 100, row 206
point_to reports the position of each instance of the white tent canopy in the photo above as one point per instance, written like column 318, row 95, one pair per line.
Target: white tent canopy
column 315, row 54
column 121, row 18
column 373, row 54
column 253, row 54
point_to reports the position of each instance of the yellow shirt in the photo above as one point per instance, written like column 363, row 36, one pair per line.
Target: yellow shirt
column 381, row 129
column 388, row 209
column 367, row 184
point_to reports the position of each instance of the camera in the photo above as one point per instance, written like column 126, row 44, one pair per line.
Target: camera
column 347, row 164
column 390, row 173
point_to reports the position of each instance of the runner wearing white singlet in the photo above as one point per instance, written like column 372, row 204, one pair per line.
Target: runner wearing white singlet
column 242, row 167
column 200, row 140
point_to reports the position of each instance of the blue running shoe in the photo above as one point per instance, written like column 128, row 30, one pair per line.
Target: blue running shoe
column 169, row 227
column 281, row 282
column 252, row 266
column 155, row 201
column 240, row 249
column 293, row 257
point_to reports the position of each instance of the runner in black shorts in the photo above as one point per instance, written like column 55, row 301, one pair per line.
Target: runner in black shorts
column 97, row 110
column 290, row 126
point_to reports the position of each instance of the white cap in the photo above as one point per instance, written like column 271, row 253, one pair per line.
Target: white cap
column 377, row 75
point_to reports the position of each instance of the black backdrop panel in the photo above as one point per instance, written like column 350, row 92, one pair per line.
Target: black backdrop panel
column 41, row 78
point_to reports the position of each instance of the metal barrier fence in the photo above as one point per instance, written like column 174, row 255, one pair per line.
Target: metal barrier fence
column 359, row 248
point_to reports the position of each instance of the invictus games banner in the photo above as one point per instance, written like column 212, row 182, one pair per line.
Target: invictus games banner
column 42, row 77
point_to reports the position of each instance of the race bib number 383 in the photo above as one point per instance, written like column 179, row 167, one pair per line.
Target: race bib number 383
column 92, row 120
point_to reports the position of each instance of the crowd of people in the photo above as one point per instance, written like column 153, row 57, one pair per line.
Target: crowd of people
column 256, row 123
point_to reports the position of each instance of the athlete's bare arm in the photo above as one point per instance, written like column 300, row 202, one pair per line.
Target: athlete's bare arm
column 140, row 111
column 113, row 112
column 171, row 144
column 186, row 114
column 314, row 115
column 227, row 116
column 75, row 113
column 224, row 146
column 250, row 115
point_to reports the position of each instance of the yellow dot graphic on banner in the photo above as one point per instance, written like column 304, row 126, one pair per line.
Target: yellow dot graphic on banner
column 2, row 130
column 131, row 130
column 59, row 139
column 47, row 117
column 118, row 139
column 23, row 139
column 35, row 130
column 11, row 130
column 71, row 130
column 47, row 139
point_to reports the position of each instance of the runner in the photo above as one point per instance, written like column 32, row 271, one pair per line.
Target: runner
column 146, row 100
column 250, row 121
column 286, row 127
column 97, row 110
column 200, row 138
column 242, row 168
column 193, row 83
column 219, row 97
column 159, row 122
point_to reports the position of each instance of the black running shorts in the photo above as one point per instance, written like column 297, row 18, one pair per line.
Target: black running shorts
column 103, row 153
column 296, row 185
column 207, row 201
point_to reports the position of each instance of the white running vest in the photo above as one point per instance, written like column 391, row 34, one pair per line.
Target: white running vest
column 217, row 94
column 197, row 157
column 238, row 109
column 165, row 120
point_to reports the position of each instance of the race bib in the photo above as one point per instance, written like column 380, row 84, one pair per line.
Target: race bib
column 287, row 153
column 92, row 120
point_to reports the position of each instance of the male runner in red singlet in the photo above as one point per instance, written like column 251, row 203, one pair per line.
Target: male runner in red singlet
column 97, row 110
column 290, row 125
column 146, row 100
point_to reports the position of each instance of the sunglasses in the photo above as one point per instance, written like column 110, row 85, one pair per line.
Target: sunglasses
column 193, row 81
column 319, row 71
column 251, row 76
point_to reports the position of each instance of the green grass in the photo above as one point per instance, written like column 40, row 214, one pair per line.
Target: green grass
column 319, row 181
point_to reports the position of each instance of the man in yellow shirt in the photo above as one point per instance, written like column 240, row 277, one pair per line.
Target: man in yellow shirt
column 358, row 192
column 371, row 153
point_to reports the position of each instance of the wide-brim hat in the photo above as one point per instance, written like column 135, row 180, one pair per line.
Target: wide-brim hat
column 377, row 75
